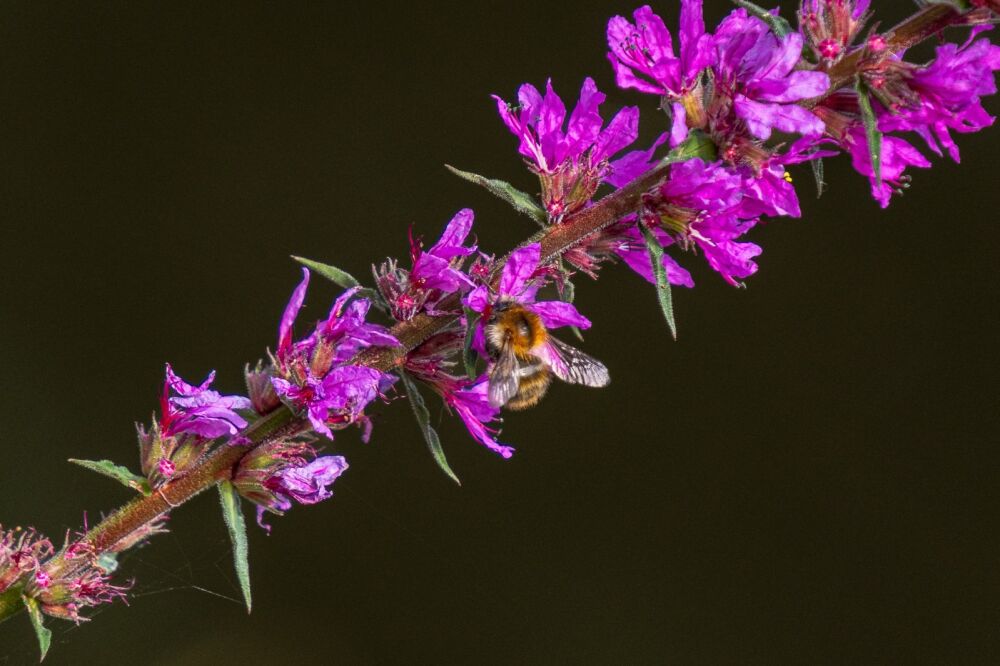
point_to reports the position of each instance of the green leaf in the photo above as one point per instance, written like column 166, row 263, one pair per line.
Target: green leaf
column 872, row 134
column 332, row 273
column 778, row 25
column 424, row 421
column 233, row 516
column 343, row 279
column 43, row 634
column 468, row 353
column 817, row 168
column 117, row 472
column 567, row 295
column 522, row 202
column 662, row 284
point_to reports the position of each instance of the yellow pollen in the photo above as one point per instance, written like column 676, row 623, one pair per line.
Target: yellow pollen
column 787, row 177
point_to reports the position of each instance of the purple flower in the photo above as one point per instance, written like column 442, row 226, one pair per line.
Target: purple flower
column 642, row 56
column 897, row 154
column 199, row 410
column 570, row 163
column 436, row 272
column 313, row 374
column 758, row 70
column 473, row 407
column 306, row 484
column 338, row 398
column 706, row 207
column 342, row 335
column 948, row 94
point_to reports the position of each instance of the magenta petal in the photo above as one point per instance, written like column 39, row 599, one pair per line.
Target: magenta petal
column 518, row 270
column 620, row 132
column 761, row 117
column 549, row 127
column 291, row 312
column 679, row 128
column 632, row 165
column 477, row 299
column 797, row 86
column 585, row 121
column 559, row 313
column 451, row 242
column 181, row 387
column 307, row 484
column 633, row 251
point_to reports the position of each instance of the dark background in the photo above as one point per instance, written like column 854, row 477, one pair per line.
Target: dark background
column 807, row 475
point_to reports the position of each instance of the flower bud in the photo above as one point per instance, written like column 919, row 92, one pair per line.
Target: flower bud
column 259, row 389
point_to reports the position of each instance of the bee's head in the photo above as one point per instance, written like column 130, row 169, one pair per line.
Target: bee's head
column 494, row 311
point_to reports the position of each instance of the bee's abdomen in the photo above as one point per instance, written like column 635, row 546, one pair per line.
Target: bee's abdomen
column 532, row 383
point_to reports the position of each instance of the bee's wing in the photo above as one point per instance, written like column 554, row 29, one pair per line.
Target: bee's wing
column 503, row 376
column 573, row 366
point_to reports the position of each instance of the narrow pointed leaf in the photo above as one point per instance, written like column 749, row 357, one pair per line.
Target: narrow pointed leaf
column 522, row 202
column 817, row 169
column 42, row 633
column 662, row 283
column 468, row 353
column 233, row 516
column 872, row 134
column 119, row 473
column 424, row 421
column 568, row 294
column 779, row 26
column 332, row 273
column 342, row 279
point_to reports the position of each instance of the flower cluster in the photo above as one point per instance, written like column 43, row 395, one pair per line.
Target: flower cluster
column 570, row 163
column 315, row 374
column 283, row 471
column 190, row 416
column 22, row 552
column 72, row 583
column 62, row 583
column 435, row 274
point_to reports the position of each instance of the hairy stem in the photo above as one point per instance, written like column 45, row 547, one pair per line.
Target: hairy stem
column 926, row 23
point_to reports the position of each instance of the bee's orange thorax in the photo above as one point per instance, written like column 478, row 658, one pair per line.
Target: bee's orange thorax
column 525, row 329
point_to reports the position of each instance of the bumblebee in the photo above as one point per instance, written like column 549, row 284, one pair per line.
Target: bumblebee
column 525, row 357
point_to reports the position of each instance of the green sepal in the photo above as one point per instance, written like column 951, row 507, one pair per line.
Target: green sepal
column 522, row 202
column 233, row 515
column 342, row 279
column 779, row 26
column 872, row 134
column 119, row 473
column 468, row 353
column 42, row 633
column 662, row 283
column 697, row 144
column 817, row 169
column 424, row 421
